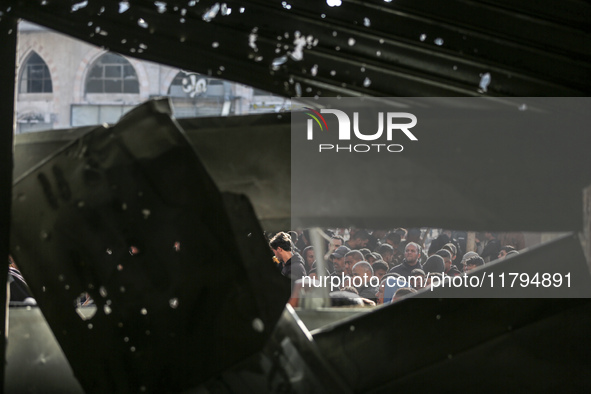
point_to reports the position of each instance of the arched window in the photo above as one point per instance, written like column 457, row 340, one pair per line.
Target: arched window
column 35, row 77
column 111, row 73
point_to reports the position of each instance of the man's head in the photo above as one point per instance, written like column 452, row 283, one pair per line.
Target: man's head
column 446, row 255
column 387, row 252
column 363, row 270
column 351, row 259
column 281, row 246
column 412, row 254
column 335, row 242
column 490, row 236
column 294, row 236
column 401, row 232
column 359, row 240
column 379, row 234
column 417, row 278
column 473, row 262
column 434, row 264
column 393, row 239
column 379, row 269
column 309, row 256
column 338, row 259
column 512, row 253
column 452, row 249
column 365, row 251
column 373, row 257
column 504, row 250
column 468, row 255
column 414, row 235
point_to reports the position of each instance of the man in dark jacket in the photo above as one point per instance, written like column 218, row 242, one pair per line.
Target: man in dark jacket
column 412, row 255
column 492, row 247
column 292, row 262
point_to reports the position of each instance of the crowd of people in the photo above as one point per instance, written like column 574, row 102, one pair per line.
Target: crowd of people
column 376, row 267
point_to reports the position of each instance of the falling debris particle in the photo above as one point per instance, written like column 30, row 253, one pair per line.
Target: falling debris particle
column 484, row 82
column 351, row 42
column 252, row 39
column 438, row 41
column 258, row 325
column 334, row 3
column 161, row 6
column 423, row 37
column 142, row 23
column 299, row 43
column 211, row 12
column 78, row 6
column 278, row 61
column 123, row 6
column 366, row 22
column 366, row 82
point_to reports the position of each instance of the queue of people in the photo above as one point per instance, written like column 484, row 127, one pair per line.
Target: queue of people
column 377, row 267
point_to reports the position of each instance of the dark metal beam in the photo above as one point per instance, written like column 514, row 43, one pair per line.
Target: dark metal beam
column 7, row 78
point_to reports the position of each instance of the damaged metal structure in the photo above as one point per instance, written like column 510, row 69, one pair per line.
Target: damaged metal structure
column 152, row 217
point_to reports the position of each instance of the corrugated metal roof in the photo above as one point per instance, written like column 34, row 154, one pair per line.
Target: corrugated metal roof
column 377, row 48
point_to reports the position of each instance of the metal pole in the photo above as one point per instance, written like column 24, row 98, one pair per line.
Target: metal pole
column 318, row 244
column 471, row 242
column 8, row 27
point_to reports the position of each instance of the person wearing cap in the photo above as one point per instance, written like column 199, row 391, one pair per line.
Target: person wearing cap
column 335, row 242
column 412, row 255
column 292, row 263
column 373, row 257
column 450, row 269
column 468, row 255
column 338, row 259
column 434, row 265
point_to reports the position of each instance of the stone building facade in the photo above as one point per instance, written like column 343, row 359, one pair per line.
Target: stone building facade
column 63, row 83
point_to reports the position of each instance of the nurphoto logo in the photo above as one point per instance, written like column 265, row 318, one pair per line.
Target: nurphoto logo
column 393, row 124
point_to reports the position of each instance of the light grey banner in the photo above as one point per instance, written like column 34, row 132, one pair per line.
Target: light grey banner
column 494, row 164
